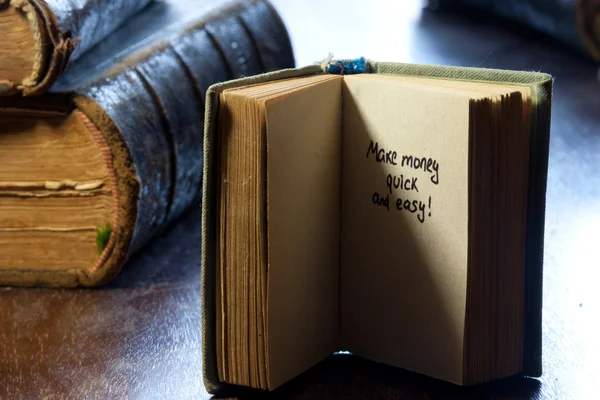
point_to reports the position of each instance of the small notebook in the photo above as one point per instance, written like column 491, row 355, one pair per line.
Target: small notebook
column 394, row 211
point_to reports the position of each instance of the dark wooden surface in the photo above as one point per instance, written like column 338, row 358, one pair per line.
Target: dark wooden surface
column 139, row 337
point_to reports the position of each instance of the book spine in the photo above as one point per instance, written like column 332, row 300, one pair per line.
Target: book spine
column 89, row 21
column 157, row 104
column 573, row 22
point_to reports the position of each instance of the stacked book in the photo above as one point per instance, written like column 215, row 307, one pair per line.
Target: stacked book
column 575, row 23
column 102, row 109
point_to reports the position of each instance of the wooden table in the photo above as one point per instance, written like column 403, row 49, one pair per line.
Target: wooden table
column 140, row 336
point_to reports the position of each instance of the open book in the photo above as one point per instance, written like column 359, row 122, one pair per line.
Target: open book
column 393, row 214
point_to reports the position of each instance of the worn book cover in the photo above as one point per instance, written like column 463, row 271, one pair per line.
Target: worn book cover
column 573, row 22
column 89, row 175
column 39, row 38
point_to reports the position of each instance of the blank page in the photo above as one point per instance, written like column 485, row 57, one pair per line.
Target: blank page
column 304, row 181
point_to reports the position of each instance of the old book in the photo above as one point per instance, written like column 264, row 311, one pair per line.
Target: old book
column 573, row 22
column 40, row 37
column 394, row 211
column 88, row 177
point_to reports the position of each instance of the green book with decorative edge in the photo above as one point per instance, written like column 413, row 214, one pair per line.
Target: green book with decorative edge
column 395, row 211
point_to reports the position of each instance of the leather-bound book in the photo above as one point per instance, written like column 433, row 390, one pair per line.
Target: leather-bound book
column 573, row 22
column 89, row 176
column 38, row 38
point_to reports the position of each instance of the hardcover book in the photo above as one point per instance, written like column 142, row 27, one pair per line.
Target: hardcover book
column 89, row 176
column 394, row 211
column 38, row 38
column 573, row 22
